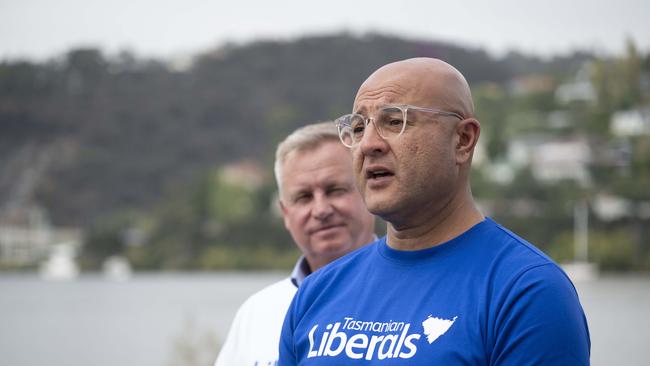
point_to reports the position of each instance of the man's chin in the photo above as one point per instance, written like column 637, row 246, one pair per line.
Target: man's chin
column 331, row 234
column 379, row 206
column 378, row 200
column 332, row 246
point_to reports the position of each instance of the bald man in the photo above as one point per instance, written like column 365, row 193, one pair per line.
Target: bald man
column 446, row 286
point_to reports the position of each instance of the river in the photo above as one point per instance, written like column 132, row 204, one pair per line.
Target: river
column 169, row 319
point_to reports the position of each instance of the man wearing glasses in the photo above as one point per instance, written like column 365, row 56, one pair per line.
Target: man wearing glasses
column 326, row 218
column 446, row 286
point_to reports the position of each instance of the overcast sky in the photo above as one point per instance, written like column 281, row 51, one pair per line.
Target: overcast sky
column 40, row 29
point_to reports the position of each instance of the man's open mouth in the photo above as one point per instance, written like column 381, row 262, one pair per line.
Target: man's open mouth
column 378, row 173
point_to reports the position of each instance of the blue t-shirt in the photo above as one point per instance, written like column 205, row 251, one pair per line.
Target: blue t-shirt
column 486, row 297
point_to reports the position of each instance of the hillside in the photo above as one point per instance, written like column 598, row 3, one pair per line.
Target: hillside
column 113, row 133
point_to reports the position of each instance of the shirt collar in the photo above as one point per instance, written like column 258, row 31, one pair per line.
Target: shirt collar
column 300, row 271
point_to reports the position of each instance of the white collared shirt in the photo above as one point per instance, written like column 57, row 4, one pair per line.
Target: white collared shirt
column 255, row 332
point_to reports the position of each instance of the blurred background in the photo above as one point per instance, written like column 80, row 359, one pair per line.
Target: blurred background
column 137, row 201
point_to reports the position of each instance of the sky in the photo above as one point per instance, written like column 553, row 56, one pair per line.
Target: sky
column 42, row 29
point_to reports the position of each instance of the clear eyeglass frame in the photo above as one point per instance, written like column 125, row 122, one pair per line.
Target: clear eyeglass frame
column 390, row 122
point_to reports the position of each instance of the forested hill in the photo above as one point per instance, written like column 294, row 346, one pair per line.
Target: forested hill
column 87, row 134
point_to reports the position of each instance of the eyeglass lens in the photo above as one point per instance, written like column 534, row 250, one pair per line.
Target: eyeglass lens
column 389, row 123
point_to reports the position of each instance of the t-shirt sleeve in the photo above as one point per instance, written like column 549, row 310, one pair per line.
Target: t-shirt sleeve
column 287, row 347
column 540, row 322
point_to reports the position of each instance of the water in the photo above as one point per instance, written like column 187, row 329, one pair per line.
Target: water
column 151, row 319
column 617, row 310
column 95, row 322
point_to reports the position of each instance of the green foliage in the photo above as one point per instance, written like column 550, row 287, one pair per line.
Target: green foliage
column 491, row 104
column 618, row 82
column 561, row 249
column 264, row 257
column 105, row 238
column 229, row 203
column 613, row 250
column 216, row 224
column 140, row 145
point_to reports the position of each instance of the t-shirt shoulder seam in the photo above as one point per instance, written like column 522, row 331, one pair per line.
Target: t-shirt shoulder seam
column 531, row 267
column 527, row 245
column 535, row 251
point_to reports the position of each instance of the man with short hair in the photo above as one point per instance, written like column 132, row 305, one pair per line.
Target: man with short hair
column 446, row 286
column 326, row 217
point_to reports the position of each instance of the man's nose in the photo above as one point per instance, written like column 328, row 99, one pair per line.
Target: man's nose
column 371, row 142
column 322, row 208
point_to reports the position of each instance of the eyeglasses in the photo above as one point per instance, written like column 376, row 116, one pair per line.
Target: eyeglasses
column 390, row 122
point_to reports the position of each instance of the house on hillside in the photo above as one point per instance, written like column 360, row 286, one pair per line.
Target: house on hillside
column 27, row 237
column 579, row 88
column 531, row 84
column 245, row 173
column 550, row 158
column 633, row 122
column 562, row 159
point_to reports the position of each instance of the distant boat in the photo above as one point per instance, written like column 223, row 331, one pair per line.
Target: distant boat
column 116, row 268
column 60, row 265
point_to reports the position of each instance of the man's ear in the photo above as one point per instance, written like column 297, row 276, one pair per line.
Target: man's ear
column 468, row 131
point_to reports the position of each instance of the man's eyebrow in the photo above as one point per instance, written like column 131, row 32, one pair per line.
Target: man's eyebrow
column 299, row 191
column 360, row 110
column 336, row 183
